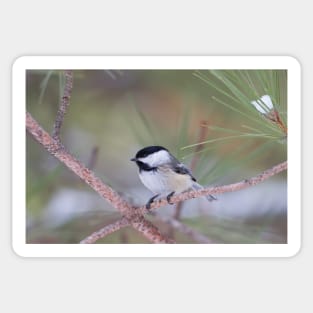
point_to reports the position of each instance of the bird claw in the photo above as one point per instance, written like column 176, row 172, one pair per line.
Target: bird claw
column 148, row 205
column 169, row 197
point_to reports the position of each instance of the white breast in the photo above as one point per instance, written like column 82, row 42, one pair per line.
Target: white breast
column 154, row 182
column 165, row 181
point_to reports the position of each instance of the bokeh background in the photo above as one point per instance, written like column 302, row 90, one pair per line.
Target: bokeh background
column 115, row 113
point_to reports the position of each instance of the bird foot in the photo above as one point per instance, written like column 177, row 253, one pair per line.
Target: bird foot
column 148, row 205
column 169, row 197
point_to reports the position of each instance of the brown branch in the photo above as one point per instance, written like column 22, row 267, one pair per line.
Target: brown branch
column 219, row 189
column 151, row 232
column 64, row 103
column 56, row 149
column 139, row 223
column 109, row 229
column 175, row 224
column 281, row 124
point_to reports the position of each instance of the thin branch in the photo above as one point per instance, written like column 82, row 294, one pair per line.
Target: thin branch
column 175, row 224
column 56, row 149
column 65, row 101
column 107, row 230
column 219, row 189
column 151, row 232
column 139, row 223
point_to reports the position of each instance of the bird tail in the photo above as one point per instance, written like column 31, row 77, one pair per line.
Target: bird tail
column 197, row 186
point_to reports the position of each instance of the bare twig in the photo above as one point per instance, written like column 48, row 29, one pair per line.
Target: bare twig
column 56, row 149
column 109, row 229
column 219, row 189
column 175, row 224
column 65, row 101
column 145, row 227
column 274, row 116
column 151, row 232
column 177, row 211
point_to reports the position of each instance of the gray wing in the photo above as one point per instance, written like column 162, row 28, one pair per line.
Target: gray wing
column 180, row 168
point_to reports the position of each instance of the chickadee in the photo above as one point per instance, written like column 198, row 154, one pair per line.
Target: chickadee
column 163, row 174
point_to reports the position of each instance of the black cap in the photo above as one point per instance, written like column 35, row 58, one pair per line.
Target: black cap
column 147, row 151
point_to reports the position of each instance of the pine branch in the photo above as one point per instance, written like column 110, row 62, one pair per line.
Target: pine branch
column 107, row 230
column 150, row 231
column 246, row 183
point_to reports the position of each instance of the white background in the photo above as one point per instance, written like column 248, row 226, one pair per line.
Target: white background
column 154, row 285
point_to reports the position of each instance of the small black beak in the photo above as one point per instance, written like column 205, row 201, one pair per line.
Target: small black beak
column 133, row 159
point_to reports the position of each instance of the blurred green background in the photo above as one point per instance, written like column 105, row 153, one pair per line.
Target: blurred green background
column 115, row 113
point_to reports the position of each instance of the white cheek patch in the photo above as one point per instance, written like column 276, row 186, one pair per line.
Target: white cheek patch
column 157, row 158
